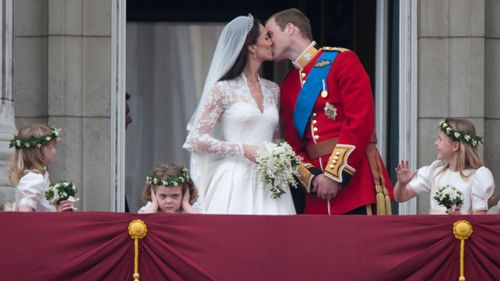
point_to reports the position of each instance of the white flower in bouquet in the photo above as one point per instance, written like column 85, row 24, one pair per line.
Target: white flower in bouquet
column 61, row 191
column 277, row 166
column 448, row 196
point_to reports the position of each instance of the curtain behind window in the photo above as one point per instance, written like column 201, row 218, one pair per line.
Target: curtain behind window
column 166, row 67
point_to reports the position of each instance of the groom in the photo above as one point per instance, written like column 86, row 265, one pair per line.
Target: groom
column 327, row 113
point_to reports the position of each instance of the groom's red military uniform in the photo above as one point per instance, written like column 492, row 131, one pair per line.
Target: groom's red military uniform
column 338, row 134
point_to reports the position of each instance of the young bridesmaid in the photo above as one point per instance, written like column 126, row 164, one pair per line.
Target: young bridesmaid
column 169, row 189
column 35, row 150
column 458, row 164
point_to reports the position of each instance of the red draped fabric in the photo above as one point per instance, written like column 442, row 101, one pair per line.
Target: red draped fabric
column 97, row 246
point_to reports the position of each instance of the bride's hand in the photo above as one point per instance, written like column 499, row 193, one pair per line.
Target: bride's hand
column 250, row 152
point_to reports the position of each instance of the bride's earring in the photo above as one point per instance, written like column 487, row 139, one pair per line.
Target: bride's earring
column 254, row 55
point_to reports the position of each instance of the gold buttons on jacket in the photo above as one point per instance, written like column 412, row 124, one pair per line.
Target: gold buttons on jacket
column 314, row 121
column 315, row 129
column 302, row 75
column 316, row 137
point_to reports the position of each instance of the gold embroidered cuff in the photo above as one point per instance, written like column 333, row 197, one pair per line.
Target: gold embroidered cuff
column 305, row 176
column 307, row 172
column 338, row 162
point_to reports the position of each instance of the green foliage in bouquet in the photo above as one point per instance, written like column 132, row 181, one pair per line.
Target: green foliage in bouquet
column 448, row 196
column 61, row 191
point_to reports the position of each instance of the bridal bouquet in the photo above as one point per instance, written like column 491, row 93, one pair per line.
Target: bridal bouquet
column 448, row 196
column 61, row 191
column 277, row 166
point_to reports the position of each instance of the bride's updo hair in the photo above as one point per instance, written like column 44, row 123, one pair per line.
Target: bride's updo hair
column 241, row 61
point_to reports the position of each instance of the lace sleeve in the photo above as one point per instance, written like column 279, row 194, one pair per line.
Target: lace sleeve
column 200, row 139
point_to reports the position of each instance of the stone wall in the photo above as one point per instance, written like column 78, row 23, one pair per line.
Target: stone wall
column 492, row 88
column 62, row 76
column 458, row 75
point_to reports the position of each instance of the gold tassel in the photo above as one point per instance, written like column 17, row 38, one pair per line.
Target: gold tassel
column 137, row 229
column 369, row 211
column 462, row 230
column 388, row 207
column 380, row 200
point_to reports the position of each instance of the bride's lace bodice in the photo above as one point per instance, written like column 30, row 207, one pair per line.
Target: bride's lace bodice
column 234, row 112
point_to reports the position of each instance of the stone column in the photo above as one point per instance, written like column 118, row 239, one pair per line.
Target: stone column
column 79, row 91
column 492, row 89
column 451, row 71
column 7, row 126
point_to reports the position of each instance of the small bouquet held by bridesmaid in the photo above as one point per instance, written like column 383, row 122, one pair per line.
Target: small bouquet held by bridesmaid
column 64, row 190
column 449, row 197
column 277, row 166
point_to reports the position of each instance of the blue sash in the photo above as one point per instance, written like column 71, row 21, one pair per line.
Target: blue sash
column 311, row 90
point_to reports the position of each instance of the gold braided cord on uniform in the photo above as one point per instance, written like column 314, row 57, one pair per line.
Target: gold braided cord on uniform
column 137, row 229
column 462, row 230
column 382, row 197
column 335, row 49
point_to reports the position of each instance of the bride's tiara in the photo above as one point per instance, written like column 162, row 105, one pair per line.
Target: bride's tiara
column 250, row 25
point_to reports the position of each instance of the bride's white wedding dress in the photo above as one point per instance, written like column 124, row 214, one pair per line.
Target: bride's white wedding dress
column 229, row 183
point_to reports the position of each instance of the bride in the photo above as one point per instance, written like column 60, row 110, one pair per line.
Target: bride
column 237, row 113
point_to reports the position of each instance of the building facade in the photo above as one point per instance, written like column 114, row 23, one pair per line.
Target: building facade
column 63, row 63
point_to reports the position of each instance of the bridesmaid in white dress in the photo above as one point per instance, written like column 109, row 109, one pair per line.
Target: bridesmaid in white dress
column 458, row 164
column 237, row 113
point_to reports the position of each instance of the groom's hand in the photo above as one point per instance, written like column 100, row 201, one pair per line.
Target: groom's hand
column 325, row 187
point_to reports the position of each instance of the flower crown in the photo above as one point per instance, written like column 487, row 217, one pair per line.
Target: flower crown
column 34, row 142
column 172, row 181
column 474, row 141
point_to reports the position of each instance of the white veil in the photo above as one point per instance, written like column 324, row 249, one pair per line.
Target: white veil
column 228, row 48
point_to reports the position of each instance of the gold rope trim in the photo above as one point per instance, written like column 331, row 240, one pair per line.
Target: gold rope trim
column 388, row 206
column 137, row 229
column 462, row 230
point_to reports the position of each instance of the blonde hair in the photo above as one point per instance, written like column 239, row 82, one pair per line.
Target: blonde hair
column 468, row 156
column 165, row 172
column 295, row 17
column 29, row 159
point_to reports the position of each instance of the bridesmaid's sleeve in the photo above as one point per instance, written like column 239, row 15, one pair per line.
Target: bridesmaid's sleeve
column 422, row 182
column 31, row 190
column 482, row 189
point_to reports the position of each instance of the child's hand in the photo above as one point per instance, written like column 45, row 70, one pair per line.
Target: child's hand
column 186, row 197
column 65, row 206
column 153, row 207
column 403, row 172
column 454, row 212
column 186, row 206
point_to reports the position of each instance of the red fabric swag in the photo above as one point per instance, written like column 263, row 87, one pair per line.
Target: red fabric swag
column 97, row 246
